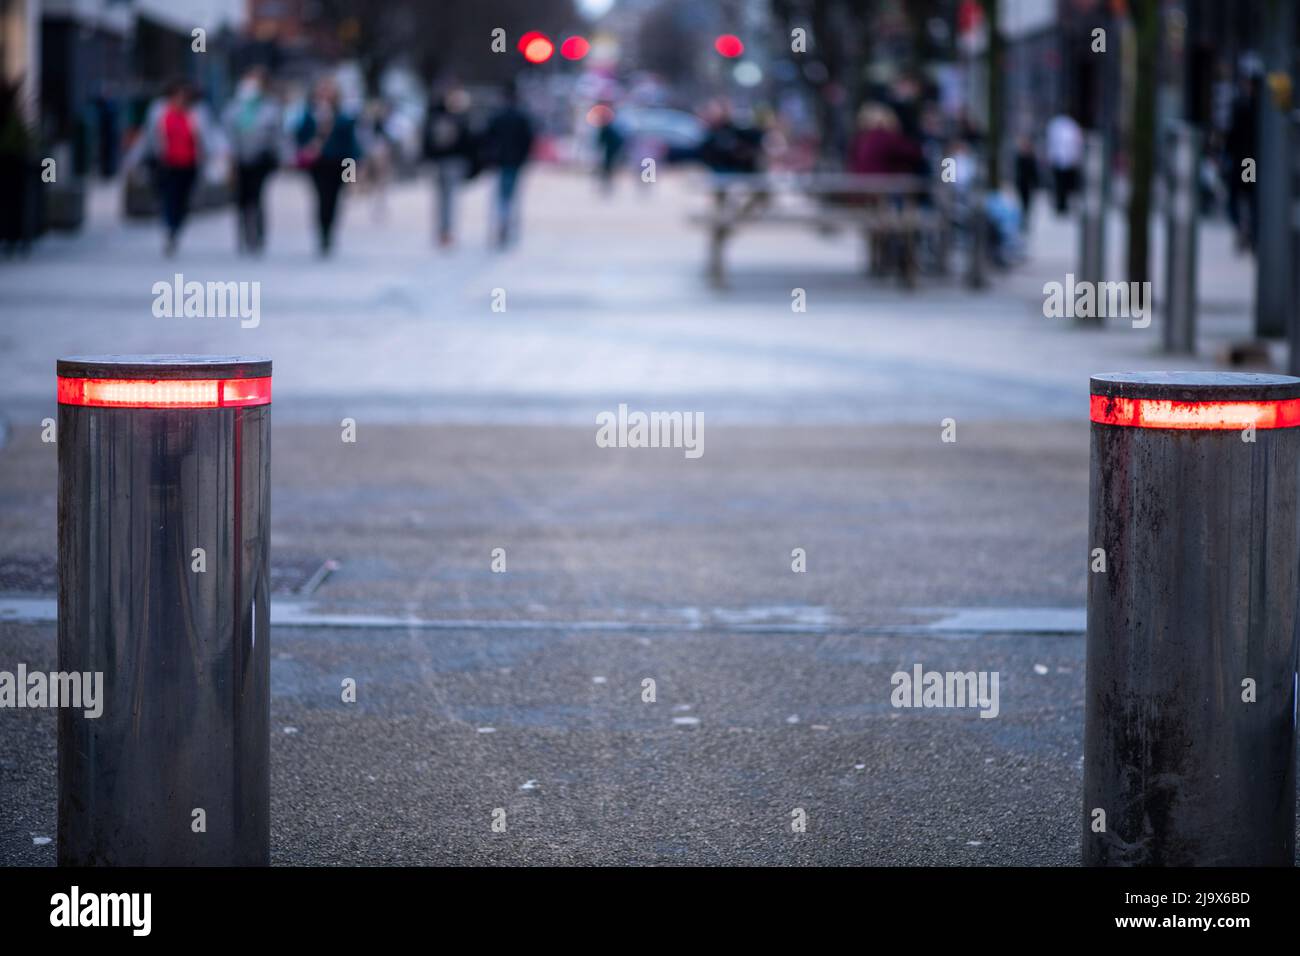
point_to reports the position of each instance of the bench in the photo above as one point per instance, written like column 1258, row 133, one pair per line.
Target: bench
column 890, row 212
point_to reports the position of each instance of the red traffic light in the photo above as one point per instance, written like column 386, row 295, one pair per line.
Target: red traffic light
column 539, row 49
column 574, row 48
column 528, row 38
column 729, row 45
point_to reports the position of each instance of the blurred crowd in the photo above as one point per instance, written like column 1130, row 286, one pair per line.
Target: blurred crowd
column 182, row 148
column 181, row 154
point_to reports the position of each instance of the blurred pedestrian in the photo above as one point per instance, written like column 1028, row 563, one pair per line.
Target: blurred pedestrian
column 610, row 141
column 19, row 179
column 381, row 155
column 1240, row 144
column 1026, row 174
column 253, row 124
column 880, row 147
column 729, row 147
column 905, row 99
column 327, row 139
column 175, row 135
column 449, row 144
column 1065, row 156
column 509, row 140
column 965, row 165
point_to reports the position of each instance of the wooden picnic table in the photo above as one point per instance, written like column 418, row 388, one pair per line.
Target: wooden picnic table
column 890, row 211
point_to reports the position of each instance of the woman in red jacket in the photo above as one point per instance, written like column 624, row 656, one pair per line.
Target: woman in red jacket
column 177, row 146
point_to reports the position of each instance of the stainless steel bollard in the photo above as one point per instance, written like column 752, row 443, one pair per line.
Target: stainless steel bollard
column 164, row 487
column 1189, row 744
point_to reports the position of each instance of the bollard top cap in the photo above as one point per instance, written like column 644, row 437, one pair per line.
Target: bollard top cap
column 159, row 368
column 1197, row 387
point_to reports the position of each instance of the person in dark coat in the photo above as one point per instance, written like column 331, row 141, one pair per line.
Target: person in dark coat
column 327, row 137
column 508, row 141
column 1242, row 143
column 729, row 147
column 1026, row 177
column 449, row 145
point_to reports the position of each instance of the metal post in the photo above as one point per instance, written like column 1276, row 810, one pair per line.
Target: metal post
column 1180, row 244
column 1273, row 169
column 978, row 226
column 1190, row 736
column 1092, row 221
column 1293, row 313
column 164, row 484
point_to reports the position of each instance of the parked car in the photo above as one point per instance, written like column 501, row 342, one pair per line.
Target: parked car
column 664, row 134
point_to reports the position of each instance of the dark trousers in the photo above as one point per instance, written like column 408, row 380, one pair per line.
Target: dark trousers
column 1065, row 181
column 327, row 176
column 506, row 214
column 1026, row 193
column 1243, row 209
column 175, row 186
column 250, row 179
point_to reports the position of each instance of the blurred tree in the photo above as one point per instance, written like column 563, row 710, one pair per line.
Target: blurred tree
column 1142, row 147
column 454, row 37
column 666, row 44
column 449, row 37
column 838, row 42
column 374, row 34
column 920, row 14
column 993, row 142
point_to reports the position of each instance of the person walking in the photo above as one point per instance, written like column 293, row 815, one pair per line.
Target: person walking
column 729, row 147
column 449, row 145
column 1026, row 177
column 1241, row 143
column 1065, row 156
column 175, row 143
column 381, row 149
column 610, row 142
column 253, row 124
column 327, row 138
column 509, row 140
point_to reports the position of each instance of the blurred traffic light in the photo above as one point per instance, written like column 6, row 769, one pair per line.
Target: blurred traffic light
column 574, row 48
column 528, row 38
column 539, row 49
column 729, row 45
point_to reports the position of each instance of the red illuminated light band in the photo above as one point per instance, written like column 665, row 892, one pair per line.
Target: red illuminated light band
column 156, row 393
column 1163, row 413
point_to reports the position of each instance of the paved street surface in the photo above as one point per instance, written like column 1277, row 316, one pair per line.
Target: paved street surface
column 523, row 690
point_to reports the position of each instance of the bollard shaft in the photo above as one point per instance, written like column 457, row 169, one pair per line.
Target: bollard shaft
column 1190, row 730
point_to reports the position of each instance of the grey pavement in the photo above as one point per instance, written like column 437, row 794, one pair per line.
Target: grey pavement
column 523, row 690
column 605, row 301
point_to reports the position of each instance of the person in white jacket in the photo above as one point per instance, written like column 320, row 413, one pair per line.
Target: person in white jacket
column 1065, row 156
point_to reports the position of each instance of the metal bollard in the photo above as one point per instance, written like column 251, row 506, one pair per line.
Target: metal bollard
column 164, row 486
column 1180, row 242
column 1190, row 736
column 1293, row 314
column 1092, row 218
column 978, row 224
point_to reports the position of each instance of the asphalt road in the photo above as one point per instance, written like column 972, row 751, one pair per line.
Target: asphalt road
column 476, row 430
column 551, row 727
